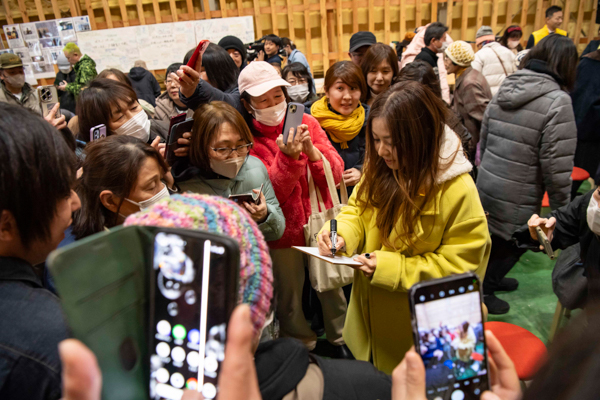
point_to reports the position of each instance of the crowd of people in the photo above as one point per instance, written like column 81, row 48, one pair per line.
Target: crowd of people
column 442, row 179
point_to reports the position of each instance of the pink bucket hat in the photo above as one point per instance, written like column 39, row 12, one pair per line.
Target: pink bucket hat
column 258, row 78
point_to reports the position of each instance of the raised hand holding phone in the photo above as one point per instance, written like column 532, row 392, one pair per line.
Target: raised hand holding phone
column 189, row 75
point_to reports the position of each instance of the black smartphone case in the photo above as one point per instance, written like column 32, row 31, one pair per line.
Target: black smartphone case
column 104, row 285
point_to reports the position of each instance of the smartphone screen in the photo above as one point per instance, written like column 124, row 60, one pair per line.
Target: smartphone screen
column 194, row 295
column 449, row 335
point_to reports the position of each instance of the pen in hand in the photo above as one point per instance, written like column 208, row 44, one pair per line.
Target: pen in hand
column 333, row 225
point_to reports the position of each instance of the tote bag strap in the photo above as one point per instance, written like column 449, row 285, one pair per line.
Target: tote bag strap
column 316, row 202
column 331, row 182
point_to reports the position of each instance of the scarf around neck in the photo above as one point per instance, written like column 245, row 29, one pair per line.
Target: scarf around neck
column 340, row 128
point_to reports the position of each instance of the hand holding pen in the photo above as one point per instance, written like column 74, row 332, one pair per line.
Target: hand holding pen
column 326, row 243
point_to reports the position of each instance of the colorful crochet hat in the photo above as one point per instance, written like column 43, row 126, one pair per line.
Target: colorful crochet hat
column 461, row 53
column 218, row 215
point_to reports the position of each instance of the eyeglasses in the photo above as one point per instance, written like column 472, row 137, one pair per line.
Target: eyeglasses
column 240, row 150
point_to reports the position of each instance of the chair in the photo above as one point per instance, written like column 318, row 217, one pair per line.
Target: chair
column 560, row 313
column 578, row 174
column 525, row 350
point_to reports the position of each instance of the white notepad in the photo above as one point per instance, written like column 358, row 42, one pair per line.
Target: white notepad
column 339, row 260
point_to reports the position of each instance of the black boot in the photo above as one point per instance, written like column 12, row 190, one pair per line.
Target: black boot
column 495, row 305
column 507, row 285
column 343, row 352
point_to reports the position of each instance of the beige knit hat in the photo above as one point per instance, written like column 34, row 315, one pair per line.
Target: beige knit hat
column 461, row 53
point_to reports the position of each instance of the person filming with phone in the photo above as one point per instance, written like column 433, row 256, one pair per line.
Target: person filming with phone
column 414, row 216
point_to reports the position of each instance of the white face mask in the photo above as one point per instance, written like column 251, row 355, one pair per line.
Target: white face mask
column 138, row 126
column 271, row 116
column 64, row 70
column 593, row 216
column 444, row 47
column 228, row 168
column 513, row 44
column 17, row 81
column 298, row 93
column 163, row 194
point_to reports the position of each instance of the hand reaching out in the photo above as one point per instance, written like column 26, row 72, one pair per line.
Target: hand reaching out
column 547, row 225
column 58, row 123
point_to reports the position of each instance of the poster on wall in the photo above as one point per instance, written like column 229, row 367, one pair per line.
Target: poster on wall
column 29, row 76
column 23, row 53
column 54, row 53
column 29, row 31
column 13, row 36
column 66, row 28
column 47, row 29
column 82, row 24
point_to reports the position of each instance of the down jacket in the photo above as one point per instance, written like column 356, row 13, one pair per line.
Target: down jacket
column 495, row 62
column 528, row 139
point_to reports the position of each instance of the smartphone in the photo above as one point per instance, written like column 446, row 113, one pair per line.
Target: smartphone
column 200, row 49
column 175, row 134
column 543, row 239
column 293, row 119
column 448, row 332
column 97, row 132
column 48, row 97
column 247, row 198
column 193, row 292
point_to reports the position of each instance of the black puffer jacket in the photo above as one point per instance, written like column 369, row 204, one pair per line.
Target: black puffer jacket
column 145, row 85
column 528, row 139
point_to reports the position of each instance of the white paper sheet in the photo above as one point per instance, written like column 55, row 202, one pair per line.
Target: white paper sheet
column 338, row 260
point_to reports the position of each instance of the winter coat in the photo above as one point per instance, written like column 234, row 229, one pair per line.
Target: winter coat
column 586, row 105
column 166, row 108
column 471, row 97
column 538, row 35
column 29, row 98
column 67, row 100
column 289, row 176
column 592, row 46
column 205, row 93
column 415, row 47
column 85, row 70
column 528, row 139
column 145, row 85
column 571, row 228
column 452, row 238
column 495, row 62
column 251, row 176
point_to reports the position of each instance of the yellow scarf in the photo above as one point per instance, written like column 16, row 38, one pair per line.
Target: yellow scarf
column 340, row 128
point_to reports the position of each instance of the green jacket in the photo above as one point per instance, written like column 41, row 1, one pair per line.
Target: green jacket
column 85, row 69
column 252, row 174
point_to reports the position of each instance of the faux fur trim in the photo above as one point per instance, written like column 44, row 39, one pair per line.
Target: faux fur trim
column 459, row 164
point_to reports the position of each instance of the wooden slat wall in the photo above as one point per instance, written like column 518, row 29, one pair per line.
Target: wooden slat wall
column 320, row 28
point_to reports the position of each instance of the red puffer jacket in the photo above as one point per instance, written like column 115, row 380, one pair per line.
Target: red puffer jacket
column 288, row 176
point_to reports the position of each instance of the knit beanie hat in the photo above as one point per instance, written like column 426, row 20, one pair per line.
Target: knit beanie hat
column 484, row 34
column 219, row 215
column 233, row 42
column 461, row 53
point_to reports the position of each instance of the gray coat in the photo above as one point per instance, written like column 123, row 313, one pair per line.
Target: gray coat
column 528, row 139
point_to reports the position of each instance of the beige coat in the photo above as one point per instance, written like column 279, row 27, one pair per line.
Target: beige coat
column 28, row 100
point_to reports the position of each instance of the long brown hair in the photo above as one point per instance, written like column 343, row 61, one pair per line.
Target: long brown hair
column 415, row 118
column 112, row 163
column 208, row 119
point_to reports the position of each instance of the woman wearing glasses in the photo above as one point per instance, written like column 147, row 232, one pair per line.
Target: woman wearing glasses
column 220, row 164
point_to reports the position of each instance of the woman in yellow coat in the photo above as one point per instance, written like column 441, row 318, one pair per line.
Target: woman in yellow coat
column 415, row 216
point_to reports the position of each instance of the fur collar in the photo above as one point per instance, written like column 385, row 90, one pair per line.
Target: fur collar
column 452, row 166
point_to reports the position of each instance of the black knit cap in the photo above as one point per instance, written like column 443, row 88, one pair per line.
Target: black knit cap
column 232, row 42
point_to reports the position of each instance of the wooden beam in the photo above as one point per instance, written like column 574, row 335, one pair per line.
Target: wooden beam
column 55, row 8
column 324, row 40
column 73, row 8
column 275, row 28
column 107, row 15
column 524, row 17
column 90, row 11
column 434, row 10
column 494, row 23
column 479, row 13
column 402, row 19
column 156, row 8
column 330, row 30
column 290, row 17
column 256, row 17
column 567, row 15
column 354, row 15
column 40, row 10
column 124, row 15
column 9, row 17
column 222, row 6
column 509, row 12
column 386, row 21
column 418, row 10
column 371, row 16
column 449, row 14
column 23, row 10
column 173, row 10
column 240, row 6
column 340, row 29
column 591, row 32
column 140, row 10
column 465, row 19
column 307, row 34
column 539, row 10
column 578, row 26
column 207, row 13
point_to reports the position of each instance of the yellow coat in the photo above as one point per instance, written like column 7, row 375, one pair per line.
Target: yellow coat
column 542, row 33
column 378, row 323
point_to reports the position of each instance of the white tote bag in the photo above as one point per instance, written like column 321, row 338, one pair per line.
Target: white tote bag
column 323, row 275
